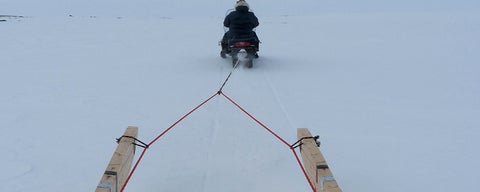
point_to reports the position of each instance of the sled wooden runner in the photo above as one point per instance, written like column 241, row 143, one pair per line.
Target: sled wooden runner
column 315, row 164
column 120, row 164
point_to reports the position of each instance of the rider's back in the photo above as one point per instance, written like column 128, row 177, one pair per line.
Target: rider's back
column 241, row 21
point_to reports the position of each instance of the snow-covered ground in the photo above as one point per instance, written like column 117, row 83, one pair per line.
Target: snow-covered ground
column 394, row 97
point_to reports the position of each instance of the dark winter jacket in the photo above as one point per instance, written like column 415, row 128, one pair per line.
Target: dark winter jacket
column 241, row 21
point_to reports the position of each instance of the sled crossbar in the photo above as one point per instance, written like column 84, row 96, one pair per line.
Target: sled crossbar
column 315, row 164
column 119, row 166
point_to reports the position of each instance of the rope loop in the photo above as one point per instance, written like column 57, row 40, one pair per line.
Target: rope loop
column 142, row 144
column 299, row 142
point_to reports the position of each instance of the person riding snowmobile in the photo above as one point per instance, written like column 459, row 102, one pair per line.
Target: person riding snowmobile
column 240, row 23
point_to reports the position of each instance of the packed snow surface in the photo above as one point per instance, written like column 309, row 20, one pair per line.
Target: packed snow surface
column 393, row 95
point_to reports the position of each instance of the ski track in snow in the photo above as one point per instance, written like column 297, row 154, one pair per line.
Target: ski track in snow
column 277, row 98
column 214, row 131
column 21, row 170
column 224, row 69
column 268, row 85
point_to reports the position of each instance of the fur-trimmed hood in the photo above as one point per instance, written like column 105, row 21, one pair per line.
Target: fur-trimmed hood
column 242, row 6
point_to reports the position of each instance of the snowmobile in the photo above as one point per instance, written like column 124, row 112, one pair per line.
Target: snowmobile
column 242, row 49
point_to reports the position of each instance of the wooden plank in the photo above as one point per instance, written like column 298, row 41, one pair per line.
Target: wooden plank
column 119, row 167
column 315, row 164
